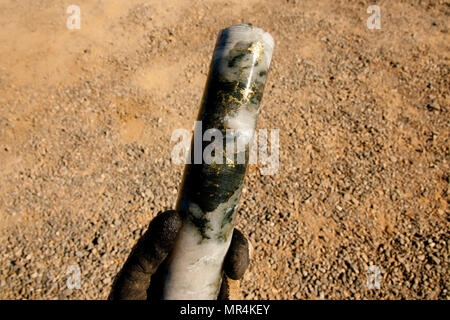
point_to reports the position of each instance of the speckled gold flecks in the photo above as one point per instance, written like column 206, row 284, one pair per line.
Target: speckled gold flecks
column 257, row 48
column 246, row 93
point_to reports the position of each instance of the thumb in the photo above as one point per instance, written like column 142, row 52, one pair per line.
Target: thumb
column 235, row 264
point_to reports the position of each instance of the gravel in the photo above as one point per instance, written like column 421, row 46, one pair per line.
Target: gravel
column 363, row 180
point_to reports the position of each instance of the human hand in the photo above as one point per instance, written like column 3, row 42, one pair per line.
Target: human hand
column 142, row 275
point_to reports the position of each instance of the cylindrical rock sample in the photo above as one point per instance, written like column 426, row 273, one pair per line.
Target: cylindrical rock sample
column 213, row 179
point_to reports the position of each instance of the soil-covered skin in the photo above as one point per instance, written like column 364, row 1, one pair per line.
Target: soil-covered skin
column 87, row 116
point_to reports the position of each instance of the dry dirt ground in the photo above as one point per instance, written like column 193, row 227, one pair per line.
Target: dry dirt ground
column 86, row 118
